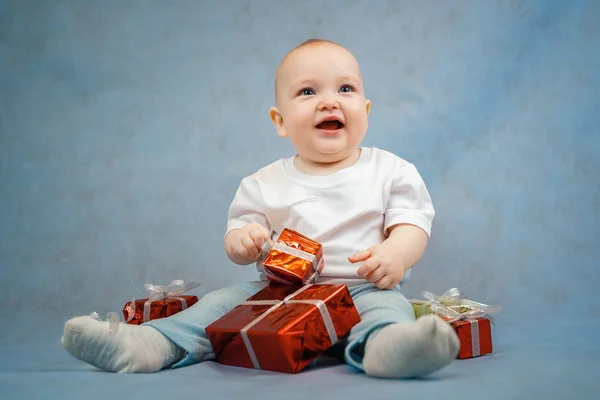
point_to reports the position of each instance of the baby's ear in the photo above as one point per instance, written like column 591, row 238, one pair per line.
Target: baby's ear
column 368, row 105
column 277, row 120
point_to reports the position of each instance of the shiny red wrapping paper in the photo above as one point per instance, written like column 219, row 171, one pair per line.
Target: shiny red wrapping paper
column 294, row 259
column 286, row 338
column 158, row 308
column 475, row 337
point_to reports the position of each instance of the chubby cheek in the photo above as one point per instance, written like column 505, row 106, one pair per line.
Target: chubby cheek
column 299, row 119
column 358, row 120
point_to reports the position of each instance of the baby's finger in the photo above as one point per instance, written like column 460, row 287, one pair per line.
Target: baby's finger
column 360, row 256
column 241, row 250
column 267, row 235
column 384, row 283
column 367, row 266
column 375, row 275
column 258, row 236
column 250, row 247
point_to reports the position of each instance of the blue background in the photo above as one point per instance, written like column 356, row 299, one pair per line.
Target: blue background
column 125, row 128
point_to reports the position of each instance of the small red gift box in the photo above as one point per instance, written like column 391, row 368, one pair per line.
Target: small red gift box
column 147, row 309
column 475, row 337
column 294, row 259
column 283, row 328
column 162, row 302
column 471, row 320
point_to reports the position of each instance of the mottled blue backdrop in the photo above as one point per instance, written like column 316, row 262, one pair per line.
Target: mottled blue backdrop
column 125, row 128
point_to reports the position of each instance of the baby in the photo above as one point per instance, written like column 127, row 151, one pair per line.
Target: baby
column 368, row 208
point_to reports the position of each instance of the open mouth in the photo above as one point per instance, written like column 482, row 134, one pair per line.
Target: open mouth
column 331, row 125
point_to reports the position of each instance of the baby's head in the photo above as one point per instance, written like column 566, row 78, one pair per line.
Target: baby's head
column 320, row 102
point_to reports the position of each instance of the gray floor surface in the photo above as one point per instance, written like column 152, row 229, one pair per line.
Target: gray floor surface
column 553, row 361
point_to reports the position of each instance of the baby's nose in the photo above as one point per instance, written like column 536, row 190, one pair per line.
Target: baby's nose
column 328, row 104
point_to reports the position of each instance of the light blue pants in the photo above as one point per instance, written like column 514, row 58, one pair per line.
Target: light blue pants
column 187, row 328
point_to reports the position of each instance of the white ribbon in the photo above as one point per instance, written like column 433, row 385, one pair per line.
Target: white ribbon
column 475, row 345
column 321, row 306
column 455, row 308
column 111, row 317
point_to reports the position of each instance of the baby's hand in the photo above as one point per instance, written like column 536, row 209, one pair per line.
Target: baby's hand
column 381, row 266
column 244, row 245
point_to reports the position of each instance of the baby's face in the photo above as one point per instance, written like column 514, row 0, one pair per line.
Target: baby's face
column 321, row 103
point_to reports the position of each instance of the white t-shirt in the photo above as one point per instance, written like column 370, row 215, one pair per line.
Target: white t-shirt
column 346, row 212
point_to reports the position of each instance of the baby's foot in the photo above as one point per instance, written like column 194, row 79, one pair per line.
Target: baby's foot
column 130, row 348
column 411, row 350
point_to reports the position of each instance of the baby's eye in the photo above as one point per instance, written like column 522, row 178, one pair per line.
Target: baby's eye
column 346, row 89
column 307, row 92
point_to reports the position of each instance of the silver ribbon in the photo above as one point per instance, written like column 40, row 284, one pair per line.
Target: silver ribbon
column 111, row 317
column 312, row 258
column 161, row 292
column 475, row 345
column 321, row 306
column 452, row 306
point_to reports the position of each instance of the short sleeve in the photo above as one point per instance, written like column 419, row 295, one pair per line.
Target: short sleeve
column 409, row 201
column 247, row 206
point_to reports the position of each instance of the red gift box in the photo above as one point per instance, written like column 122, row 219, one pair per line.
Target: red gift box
column 294, row 259
column 283, row 328
column 162, row 302
column 475, row 337
column 471, row 320
column 147, row 309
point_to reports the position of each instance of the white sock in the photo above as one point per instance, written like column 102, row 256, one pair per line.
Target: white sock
column 130, row 348
column 412, row 349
